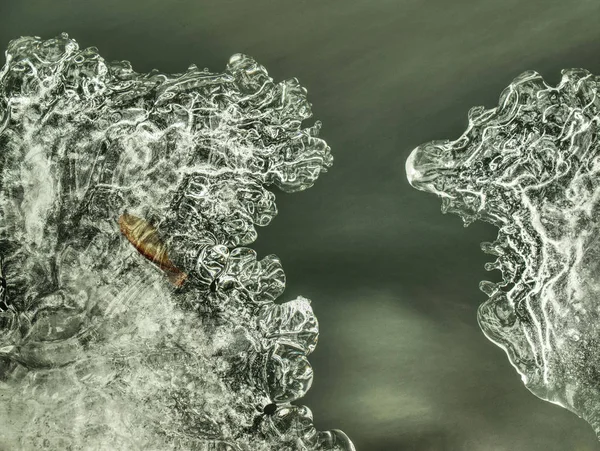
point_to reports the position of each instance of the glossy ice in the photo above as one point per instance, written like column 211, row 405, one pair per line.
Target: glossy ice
column 111, row 182
column 531, row 167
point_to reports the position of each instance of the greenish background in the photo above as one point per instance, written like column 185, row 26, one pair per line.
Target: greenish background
column 401, row 363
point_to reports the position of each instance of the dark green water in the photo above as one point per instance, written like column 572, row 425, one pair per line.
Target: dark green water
column 401, row 363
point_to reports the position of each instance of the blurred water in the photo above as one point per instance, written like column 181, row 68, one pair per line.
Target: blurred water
column 383, row 77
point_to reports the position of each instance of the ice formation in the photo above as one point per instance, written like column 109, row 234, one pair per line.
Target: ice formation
column 531, row 167
column 131, row 314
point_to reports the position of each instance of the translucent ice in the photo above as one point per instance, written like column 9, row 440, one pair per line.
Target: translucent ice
column 531, row 166
column 132, row 317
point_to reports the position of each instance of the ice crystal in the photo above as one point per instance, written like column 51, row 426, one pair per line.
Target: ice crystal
column 531, row 167
column 132, row 315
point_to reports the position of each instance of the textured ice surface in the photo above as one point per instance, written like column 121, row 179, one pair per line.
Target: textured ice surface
column 133, row 317
column 531, row 166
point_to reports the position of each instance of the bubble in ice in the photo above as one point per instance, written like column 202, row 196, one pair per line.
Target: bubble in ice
column 531, row 167
column 133, row 315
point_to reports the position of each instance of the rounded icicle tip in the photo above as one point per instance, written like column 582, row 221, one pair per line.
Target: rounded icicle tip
column 335, row 440
column 427, row 163
column 411, row 168
column 237, row 59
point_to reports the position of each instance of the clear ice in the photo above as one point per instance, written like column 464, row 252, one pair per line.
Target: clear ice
column 531, row 167
column 112, row 181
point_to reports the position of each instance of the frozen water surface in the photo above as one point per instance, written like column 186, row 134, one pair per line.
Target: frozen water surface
column 531, row 167
column 132, row 315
